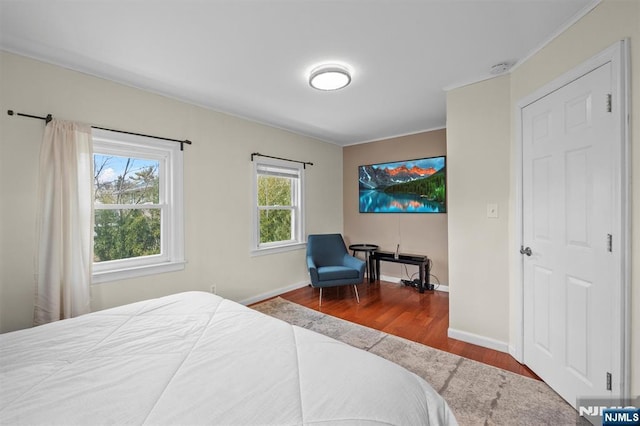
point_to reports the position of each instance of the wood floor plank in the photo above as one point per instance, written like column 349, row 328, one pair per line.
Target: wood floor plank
column 404, row 312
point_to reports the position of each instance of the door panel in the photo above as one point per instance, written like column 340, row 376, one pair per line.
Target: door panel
column 542, row 303
column 578, row 326
column 578, row 200
column 541, row 181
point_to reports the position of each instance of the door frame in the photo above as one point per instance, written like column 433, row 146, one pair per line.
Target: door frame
column 618, row 56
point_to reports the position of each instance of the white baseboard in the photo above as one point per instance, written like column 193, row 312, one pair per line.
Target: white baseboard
column 272, row 293
column 439, row 287
column 486, row 342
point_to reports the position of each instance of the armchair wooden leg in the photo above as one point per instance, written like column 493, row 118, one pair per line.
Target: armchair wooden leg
column 356, row 290
column 320, row 301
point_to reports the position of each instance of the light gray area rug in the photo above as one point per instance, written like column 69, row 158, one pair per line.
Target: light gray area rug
column 478, row 394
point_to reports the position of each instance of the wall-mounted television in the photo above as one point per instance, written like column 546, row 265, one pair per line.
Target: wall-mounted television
column 411, row 186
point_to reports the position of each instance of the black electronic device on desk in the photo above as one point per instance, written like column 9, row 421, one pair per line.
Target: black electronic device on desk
column 422, row 261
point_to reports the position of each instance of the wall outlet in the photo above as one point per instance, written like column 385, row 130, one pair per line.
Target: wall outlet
column 213, row 289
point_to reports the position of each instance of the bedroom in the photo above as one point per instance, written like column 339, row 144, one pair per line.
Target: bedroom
column 217, row 239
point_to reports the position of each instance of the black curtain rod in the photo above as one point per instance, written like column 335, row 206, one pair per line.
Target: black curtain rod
column 48, row 118
column 304, row 163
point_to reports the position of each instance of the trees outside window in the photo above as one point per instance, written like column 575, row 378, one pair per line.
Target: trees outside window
column 278, row 209
column 127, row 209
column 137, row 206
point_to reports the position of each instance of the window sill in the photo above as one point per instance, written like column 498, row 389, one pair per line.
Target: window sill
column 134, row 272
column 278, row 249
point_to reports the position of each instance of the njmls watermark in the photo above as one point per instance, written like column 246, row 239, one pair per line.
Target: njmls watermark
column 610, row 411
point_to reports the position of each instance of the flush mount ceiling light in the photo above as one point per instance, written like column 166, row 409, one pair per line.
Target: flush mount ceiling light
column 329, row 77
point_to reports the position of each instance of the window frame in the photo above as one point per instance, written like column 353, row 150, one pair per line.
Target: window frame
column 171, row 205
column 297, row 208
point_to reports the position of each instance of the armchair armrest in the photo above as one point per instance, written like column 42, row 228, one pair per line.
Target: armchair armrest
column 313, row 270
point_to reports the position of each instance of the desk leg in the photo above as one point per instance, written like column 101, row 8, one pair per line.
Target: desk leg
column 421, row 285
column 372, row 271
column 376, row 275
column 367, row 267
column 427, row 277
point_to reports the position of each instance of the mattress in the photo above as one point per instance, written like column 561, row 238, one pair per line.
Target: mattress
column 195, row 358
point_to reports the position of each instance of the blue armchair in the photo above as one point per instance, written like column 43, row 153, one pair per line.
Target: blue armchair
column 330, row 265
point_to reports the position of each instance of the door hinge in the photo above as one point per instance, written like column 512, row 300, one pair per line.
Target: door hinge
column 609, row 243
column 608, row 381
column 609, row 102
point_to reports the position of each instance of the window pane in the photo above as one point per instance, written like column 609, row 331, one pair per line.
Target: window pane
column 125, row 180
column 274, row 191
column 123, row 234
column 275, row 225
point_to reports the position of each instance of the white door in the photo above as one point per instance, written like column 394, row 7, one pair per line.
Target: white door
column 568, row 211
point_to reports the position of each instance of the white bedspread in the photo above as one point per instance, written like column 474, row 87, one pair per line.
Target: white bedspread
column 195, row 358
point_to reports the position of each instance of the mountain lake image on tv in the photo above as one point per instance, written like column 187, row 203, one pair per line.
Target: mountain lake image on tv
column 412, row 186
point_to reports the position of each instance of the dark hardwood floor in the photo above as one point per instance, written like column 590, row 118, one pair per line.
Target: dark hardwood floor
column 402, row 311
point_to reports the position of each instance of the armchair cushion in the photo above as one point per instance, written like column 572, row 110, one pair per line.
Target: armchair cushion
column 328, row 273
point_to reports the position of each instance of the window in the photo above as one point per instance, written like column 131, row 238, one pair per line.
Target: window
column 278, row 206
column 138, row 226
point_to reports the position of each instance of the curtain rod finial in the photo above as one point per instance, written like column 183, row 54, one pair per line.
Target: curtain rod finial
column 10, row 112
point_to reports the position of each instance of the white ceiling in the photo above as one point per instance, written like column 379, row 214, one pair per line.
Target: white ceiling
column 251, row 58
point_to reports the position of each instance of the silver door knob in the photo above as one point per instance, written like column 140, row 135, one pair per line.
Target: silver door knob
column 526, row 250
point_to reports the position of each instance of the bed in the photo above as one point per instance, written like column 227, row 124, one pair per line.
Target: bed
column 196, row 358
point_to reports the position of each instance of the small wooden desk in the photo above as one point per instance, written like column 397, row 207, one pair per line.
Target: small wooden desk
column 424, row 268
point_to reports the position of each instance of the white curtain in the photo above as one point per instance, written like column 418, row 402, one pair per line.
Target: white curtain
column 65, row 222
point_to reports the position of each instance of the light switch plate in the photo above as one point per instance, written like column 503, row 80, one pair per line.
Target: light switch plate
column 492, row 210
